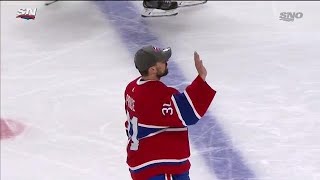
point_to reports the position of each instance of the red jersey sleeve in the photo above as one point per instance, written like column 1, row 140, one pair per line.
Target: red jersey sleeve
column 171, row 108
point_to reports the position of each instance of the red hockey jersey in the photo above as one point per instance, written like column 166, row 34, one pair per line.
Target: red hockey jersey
column 156, row 126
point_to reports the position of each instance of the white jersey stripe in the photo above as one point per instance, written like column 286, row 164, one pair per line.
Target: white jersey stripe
column 151, row 126
column 191, row 104
column 157, row 161
column 178, row 111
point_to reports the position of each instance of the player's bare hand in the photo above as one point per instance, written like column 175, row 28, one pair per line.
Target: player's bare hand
column 202, row 71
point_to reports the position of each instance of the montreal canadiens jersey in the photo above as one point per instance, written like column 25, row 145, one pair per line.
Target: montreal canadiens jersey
column 156, row 125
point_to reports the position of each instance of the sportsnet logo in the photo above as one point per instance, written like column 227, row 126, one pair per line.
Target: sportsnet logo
column 27, row 13
column 290, row 16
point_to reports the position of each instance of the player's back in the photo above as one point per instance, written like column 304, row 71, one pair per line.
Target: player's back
column 153, row 141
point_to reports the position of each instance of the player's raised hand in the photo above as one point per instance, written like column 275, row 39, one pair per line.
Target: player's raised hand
column 202, row 71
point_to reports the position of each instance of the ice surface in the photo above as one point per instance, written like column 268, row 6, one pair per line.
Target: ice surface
column 63, row 76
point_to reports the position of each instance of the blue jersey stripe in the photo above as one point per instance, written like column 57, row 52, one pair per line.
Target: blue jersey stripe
column 144, row 131
column 185, row 109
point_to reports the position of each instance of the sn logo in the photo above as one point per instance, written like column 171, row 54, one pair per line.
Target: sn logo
column 27, row 13
column 290, row 16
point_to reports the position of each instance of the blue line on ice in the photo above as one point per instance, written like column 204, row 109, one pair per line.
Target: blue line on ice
column 207, row 136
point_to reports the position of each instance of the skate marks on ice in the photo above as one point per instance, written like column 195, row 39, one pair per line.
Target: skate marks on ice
column 51, row 83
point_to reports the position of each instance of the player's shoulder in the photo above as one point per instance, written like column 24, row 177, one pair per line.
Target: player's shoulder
column 172, row 90
column 157, row 87
column 133, row 82
column 160, row 89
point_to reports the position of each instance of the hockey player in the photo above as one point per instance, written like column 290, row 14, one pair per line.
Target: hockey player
column 158, row 8
column 160, row 4
column 158, row 116
column 161, row 8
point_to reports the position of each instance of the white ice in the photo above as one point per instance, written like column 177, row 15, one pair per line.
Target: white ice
column 64, row 73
